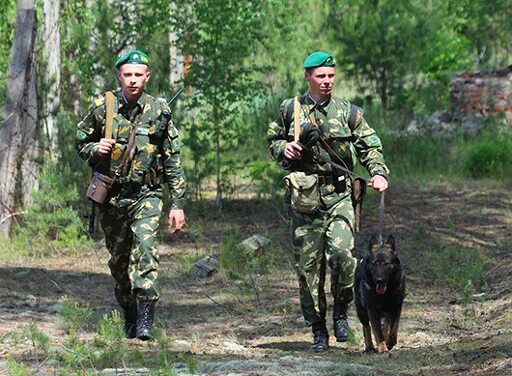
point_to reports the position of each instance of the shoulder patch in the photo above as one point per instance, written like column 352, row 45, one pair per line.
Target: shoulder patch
column 374, row 140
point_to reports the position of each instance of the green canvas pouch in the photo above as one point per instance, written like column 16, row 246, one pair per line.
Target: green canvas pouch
column 304, row 192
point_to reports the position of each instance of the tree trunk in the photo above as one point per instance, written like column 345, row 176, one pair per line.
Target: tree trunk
column 176, row 58
column 218, row 196
column 18, row 136
column 51, row 54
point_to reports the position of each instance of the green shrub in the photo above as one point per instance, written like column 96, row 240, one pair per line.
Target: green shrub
column 17, row 369
column 51, row 223
column 72, row 316
column 266, row 175
column 244, row 263
column 491, row 157
column 420, row 157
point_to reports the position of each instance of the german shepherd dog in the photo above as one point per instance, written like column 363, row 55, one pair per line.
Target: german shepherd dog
column 379, row 294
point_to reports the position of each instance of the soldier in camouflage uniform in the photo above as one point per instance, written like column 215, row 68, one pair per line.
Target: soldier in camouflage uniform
column 326, row 237
column 130, row 218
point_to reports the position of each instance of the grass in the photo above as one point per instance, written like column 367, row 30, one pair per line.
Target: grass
column 76, row 353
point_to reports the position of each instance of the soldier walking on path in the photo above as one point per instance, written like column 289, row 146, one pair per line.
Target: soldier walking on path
column 318, row 138
column 142, row 153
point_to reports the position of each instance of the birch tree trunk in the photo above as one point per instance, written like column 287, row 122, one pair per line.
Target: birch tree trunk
column 18, row 136
column 51, row 54
column 176, row 58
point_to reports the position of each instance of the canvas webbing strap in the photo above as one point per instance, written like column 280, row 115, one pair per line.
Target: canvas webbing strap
column 109, row 113
column 340, row 162
column 296, row 116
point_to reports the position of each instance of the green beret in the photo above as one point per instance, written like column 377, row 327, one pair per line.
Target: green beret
column 319, row 59
column 133, row 57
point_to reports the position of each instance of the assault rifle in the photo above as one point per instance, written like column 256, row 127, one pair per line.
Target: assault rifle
column 175, row 96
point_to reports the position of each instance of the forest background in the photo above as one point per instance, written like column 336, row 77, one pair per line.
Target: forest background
column 395, row 59
column 237, row 61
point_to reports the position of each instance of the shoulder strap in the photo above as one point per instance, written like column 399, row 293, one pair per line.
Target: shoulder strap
column 356, row 113
column 109, row 113
column 296, row 118
column 290, row 112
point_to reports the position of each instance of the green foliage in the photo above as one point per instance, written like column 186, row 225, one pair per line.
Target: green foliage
column 7, row 22
column 221, row 74
column 243, row 263
column 457, row 267
column 164, row 357
column 77, row 355
column 452, row 266
column 420, row 157
column 266, row 176
column 190, row 361
column 239, row 260
column 17, row 369
column 51, row 223
column 37, row 342
column 486, row 26
column 72, row 316
column 402, row 50
column 489, row 157
column 111, row 350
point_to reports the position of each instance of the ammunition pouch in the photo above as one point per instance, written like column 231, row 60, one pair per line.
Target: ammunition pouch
column 340, row 184
column 99, row 187
column 304, row 192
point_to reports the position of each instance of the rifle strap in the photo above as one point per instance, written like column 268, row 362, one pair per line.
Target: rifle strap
column 296, row 119
column 331, row 152
column 109, row 113
column 130, row 148
column 355, row 116
column 109, row 121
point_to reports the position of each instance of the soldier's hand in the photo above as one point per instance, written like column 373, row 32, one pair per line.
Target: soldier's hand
column 293, row 151
column 176, row 220
column 379, row 183
column 105, row 146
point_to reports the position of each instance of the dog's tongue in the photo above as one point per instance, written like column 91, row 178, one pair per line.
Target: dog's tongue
column 381, row 289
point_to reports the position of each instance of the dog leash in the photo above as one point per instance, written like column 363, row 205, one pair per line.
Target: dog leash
column 381, row 216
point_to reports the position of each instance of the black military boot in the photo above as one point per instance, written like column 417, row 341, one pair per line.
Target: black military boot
column 321, row 338
column 340, row 324
column 145, row 319
column 130, row 320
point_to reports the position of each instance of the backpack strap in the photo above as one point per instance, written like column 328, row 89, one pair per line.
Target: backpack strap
column 290, row 114
column 356, row 114
column 109, row 113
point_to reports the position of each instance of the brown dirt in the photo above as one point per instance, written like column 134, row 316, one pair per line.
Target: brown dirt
column 219, row 323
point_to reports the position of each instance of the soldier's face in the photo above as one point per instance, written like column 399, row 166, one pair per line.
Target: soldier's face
column 133, row 78
column 321, row 81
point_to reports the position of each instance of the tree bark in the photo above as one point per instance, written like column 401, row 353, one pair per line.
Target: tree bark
column 51, row 54
column 176, row 58
column 18, row 135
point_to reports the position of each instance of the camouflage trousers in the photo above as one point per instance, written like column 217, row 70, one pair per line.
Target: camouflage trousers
column 324, row 238
column 130, row 233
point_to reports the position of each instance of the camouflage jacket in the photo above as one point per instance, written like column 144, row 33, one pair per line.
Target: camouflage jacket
column 359, row 143
column 157, row 144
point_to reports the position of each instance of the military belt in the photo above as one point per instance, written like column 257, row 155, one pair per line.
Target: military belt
column 330, row 179
column 339, row 182
column 127, row 188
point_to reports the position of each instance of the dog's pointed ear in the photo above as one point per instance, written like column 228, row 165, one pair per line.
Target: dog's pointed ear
column 374, row 243
column 390, row 242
